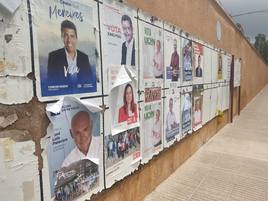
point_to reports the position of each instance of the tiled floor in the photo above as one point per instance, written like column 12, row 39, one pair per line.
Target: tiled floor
column 233, row 165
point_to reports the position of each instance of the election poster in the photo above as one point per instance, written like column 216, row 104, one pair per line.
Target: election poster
column 186, row 111
column 172, row 121
column 206, row 104
column 152, row 124
column 220, row 66
column 172, row 57
column 198, row 63
column 151, row 52
column 122, row 154
column 197, row 106
column 15, row 51
column 207, row 65
column 187, row 60
column 119, row 36
column 73, row 149
column 123, row 99
column 66, row 48
column 213, row 101
column 214, row 65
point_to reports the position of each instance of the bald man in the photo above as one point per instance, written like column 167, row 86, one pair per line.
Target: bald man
column 87, row 146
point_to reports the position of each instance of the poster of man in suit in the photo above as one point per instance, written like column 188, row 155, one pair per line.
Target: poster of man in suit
column 66, row 47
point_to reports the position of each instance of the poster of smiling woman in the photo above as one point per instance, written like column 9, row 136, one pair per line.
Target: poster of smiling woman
column 65, row 44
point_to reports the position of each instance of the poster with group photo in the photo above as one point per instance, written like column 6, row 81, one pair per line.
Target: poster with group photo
column 67, row 64
column 119, row 36
column 198, row 63
column 186, row 111
column 122, row 154
column 187, row 60
column 123, row 99
column 152, row 123
column 197, row 106
column 172, row 58
column 172, row 117
column 74, row 149
column 151, row 53
column 15, row 51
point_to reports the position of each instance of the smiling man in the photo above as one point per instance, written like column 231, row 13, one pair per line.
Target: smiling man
column 128, row 47
column 68, row 66
column 87, row 146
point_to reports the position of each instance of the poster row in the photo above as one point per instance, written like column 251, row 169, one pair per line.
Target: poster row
column 66, row 52
column 88, row 148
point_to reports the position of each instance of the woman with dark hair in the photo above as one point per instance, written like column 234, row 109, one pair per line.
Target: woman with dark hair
column 128, row 112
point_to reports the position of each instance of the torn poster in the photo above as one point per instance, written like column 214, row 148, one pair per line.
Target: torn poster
column 74, row 148
column 15, row 51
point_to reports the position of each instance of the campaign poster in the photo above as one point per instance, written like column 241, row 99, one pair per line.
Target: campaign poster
column 74, row 149
column 65, row 43
column 197, row 106
column 214, row 66
column 172, row 117
column 186, row 111
column 152, row 123
column 172, row 59
column 123, row 99
column 187, row 57
column 198, row 63
column 213, row 101
column 207, row 65
column 220, row 66
column 119, row 36
column 122, row 154
column 15, row 51
column 206, row 105
column 151, row 53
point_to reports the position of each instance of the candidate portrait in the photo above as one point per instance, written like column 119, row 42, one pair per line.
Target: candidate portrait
column 68, row 65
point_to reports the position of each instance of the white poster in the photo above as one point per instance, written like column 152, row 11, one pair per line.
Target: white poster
column 237, row 72
column 172, row 58
column 122, row 154
column 74, row 149
column 15, row 50
column 219, row 98
column 207, row 65
column 213, row 101
column 214, row 66
column 69, row 63
column 119, row 36
column 152, row 124
column 172, row 121
column 226, row 97
column 186, row 111
column 151, row 52
column 206, row 105
column 197, row 106
column 11, row 85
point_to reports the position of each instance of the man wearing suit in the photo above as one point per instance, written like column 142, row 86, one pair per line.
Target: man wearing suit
column 68, row 66
column 128, row 47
